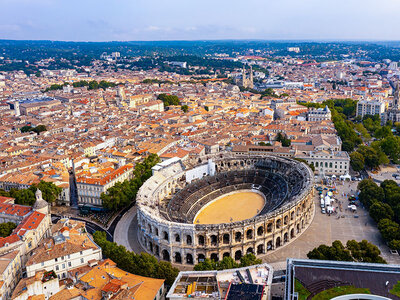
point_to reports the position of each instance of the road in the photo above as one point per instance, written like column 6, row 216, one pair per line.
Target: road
column 114, row 223
column 73, row 190
column 126, row 231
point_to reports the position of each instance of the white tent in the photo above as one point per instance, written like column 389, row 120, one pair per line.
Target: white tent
column 344, row 177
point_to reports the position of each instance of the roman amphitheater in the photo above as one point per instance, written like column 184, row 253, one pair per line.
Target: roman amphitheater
column 223, row 205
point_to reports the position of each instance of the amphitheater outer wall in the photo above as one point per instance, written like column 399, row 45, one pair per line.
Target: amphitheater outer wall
column 188, row 244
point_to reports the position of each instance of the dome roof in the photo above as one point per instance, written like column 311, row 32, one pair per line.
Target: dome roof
column 40, row 202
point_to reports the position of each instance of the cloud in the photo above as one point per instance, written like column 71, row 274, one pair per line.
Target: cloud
column 97, row 20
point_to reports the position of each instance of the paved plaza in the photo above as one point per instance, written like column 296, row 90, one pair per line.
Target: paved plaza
column 324, row 229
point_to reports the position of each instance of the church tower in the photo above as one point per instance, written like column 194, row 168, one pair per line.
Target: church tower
column 16, row 108
column 244, row 79
column 41, row 205
column 251, row 84
column 247, row 82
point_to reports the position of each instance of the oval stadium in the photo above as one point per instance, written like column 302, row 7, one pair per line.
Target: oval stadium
column 223, row 205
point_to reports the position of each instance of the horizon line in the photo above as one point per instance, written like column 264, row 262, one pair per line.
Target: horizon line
column 207, row 40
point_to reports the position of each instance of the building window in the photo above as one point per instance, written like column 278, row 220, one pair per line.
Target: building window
column 42, row 264
column 82, row 260
column 69, row 264
column 63, row 265
column 57, row 268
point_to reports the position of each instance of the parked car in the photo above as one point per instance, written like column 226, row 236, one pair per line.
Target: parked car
column 323, row 210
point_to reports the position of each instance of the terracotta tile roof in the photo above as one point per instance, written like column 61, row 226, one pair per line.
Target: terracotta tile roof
column 14, row 209
column 32, row 222
column 6, row 199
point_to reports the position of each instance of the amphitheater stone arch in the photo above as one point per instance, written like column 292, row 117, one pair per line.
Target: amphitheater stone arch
column 167, row 205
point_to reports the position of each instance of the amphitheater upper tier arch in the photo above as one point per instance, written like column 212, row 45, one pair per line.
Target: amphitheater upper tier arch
column 169, row 202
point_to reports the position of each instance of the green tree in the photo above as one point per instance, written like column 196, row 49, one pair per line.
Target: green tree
column 379, row 211
column 40, row 128
column 392, row 192
column 364, row 251
column 370, row 192
column 123, row 193
column 389, row 229
column 185, row 108
column 370, row 155
column 283, row 139
column 206, row 265
column 249, row 260
column 93, row 85
column 3, row 193
column 24, row 197
column 7, row 228
column 142, row 264
column 353, row 251
column 226, row 263
column 335, row 252
column 169, row 99
column 357, row 161
column 269, row 93
column 26, row 128
column 391, row 147
column 383, row 132
column 394, row 244
column 49, row 190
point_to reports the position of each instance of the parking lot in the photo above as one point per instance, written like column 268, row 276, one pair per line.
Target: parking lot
column 325, row 229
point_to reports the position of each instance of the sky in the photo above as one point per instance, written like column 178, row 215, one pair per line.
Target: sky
column 150, row 20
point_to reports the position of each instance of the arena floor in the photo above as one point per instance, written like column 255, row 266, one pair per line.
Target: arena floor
column 231, row 208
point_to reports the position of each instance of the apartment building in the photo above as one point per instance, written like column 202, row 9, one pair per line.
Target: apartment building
column 319, row 114
column 42, row 283
column 68, row 248
column 365, row 107
column 10, row 273
column 328, row 162
column 91, row 185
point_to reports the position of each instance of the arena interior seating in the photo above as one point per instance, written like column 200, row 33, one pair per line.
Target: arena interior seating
column 277, row 180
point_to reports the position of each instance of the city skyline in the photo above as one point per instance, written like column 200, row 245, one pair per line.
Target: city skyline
column 206, row 20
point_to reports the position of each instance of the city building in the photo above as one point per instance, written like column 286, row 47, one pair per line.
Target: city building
column 247, row 79
column 92, row 183
column 102, row 281
column 10, row 272
column 328, row 162
column 319, row 114
column 33, row 225
column 69, row 247
column 252, row 282
column 44, row 283
column 393, row 113
column 366, row 107
column 317, row 276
